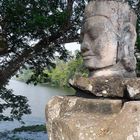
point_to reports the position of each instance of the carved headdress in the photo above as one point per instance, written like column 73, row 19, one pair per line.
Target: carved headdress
column 116, row 11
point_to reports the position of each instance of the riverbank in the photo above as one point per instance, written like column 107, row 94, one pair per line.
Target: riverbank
column 67, row 88
column 33, row 132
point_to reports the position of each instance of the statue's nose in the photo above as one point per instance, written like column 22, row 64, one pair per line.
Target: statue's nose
column 84, row 47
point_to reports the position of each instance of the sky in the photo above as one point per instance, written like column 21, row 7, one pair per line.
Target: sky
column 69, row 46
column 72, row 46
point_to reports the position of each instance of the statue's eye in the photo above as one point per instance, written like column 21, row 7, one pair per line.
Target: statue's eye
column 93, row 34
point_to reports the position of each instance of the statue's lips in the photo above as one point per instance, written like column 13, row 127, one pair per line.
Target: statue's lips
column 88, row 57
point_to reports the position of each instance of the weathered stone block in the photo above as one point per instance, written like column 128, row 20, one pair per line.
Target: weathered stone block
column 74, row 118
column 111, row 87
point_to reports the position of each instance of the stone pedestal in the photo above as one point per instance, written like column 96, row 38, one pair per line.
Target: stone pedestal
column 77, row 118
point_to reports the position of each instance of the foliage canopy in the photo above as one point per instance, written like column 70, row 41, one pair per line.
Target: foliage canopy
column 31, row 32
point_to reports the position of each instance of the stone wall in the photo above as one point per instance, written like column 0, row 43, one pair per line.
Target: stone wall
column 77, row 118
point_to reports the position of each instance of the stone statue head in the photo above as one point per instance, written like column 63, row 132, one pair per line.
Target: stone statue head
column 108, row 39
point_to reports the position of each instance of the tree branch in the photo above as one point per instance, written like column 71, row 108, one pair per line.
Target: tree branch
column 14, row 65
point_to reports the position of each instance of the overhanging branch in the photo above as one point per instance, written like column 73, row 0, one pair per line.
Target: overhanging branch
column 15, row 64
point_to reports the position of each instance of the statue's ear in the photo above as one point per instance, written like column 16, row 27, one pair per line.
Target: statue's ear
column 129, row 34
column 128, row 43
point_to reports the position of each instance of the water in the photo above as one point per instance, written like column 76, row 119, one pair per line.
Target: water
column 38, row 97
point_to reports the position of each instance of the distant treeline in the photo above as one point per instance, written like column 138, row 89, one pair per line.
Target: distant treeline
column 58, row 76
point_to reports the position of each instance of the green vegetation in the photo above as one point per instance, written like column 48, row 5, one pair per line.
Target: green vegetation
column 25, row 74
column 32, row 128
column 138, row 46
column 24, row 131
column 58, row 76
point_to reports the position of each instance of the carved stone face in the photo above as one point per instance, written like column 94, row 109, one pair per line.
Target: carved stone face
column 99, row 43
column 108, row 39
